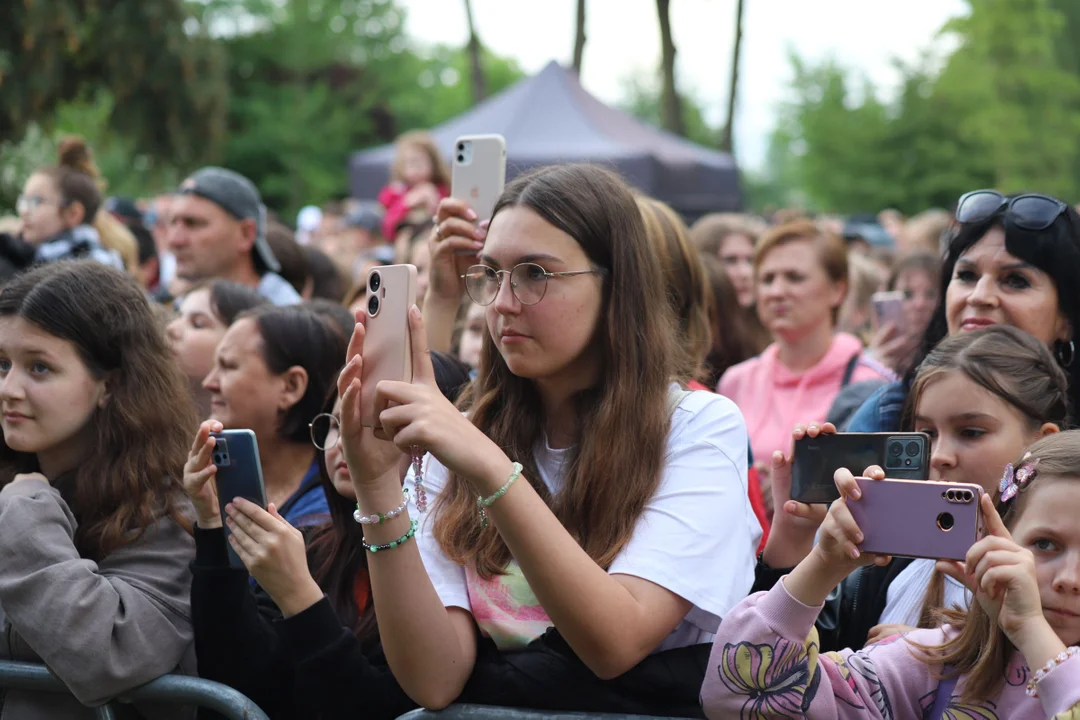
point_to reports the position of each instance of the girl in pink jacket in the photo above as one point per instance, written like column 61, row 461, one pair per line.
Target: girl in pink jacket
column 1012, row 655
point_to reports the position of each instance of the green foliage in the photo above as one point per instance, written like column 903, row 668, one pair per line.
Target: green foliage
column 163, row 73
column 1003, row 110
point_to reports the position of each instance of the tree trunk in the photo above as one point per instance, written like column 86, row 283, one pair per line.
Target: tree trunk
column 670, row 104
column 579, row 37
column 727, row 143
column 479, row 87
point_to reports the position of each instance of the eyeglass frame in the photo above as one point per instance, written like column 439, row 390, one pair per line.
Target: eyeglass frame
column 1005, row 206
column 334, row 421
column 547, row 277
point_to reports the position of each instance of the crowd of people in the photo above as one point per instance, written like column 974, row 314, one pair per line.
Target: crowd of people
column 581, row 501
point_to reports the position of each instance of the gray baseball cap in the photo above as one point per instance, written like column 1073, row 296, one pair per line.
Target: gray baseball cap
column 239, row 197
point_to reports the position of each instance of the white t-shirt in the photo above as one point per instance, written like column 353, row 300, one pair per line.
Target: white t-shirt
column 696, row 537
column 904, row 598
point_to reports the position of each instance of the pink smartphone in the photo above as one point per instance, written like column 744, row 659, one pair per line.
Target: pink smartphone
column 918, row 518
column 391, row 291
column 888, row 308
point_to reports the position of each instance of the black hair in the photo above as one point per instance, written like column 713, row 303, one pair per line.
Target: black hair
column 326, row 279
column 228, row 300
column 145, row 242
column 1055, row 251
column 295, row 336
column 338, row 315
column 451, row 374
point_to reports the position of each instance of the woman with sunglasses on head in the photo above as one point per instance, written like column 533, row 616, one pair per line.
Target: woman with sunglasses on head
column 303, row 642
column 1013, row 261
column 583, row 501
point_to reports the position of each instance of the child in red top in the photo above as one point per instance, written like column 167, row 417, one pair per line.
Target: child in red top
column 419, row 178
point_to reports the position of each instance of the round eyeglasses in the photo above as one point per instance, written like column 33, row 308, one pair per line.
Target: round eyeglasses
column 528, row 282
column 325, row 431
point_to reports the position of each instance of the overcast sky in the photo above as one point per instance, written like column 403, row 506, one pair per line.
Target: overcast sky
column 624, row 39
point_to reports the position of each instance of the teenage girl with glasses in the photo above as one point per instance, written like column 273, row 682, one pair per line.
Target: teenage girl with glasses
column 583, row 496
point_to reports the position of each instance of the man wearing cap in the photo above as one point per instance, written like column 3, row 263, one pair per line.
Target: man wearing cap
column 217, row 229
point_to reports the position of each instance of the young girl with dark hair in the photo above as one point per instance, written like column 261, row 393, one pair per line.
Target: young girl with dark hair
column 94, row 531
column 1013, row 655
column 981, row 397
column 584, row 500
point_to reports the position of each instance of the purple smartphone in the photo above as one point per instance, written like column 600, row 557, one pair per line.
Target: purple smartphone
column 918, row 518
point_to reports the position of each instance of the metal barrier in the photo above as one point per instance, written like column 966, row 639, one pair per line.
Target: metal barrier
column 170, row 689
column 488, row 712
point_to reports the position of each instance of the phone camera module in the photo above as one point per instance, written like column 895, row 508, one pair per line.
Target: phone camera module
column 912, row 448
column 374, row 282
column 896, row 449
column 373, row 306
column 946, row 521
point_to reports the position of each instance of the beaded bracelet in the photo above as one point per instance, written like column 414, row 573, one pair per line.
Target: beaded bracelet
column 393, row 543
column 380, row 518
column 1033, row 686
column 482, row 503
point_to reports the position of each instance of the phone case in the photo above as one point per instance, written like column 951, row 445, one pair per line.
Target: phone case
column 888, row 307
column 239, row 474
column 478, row 173
column 387, row 350
column 918, row 518
column 817, row 459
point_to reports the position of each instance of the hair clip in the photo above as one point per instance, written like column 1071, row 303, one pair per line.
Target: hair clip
column 1013, row 481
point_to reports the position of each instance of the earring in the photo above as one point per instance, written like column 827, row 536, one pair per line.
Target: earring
column 1066, row 353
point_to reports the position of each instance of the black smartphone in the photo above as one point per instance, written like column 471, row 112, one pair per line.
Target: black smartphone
column 903, row 456
column 239, row 474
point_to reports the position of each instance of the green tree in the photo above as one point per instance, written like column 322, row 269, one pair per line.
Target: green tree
column 163, row 73
column 1021, row 103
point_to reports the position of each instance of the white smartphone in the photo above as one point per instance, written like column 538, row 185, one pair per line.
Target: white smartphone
column 888, row 308
column 478, row 172
column 391, row 291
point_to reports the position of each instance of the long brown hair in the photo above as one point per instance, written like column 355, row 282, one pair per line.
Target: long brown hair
column 980, row 649
column 624, row 420
column 1013, row 366
column 131, row 477
column 687, row 284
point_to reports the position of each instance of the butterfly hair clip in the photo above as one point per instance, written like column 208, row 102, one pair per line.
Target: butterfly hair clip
column 1013, row 481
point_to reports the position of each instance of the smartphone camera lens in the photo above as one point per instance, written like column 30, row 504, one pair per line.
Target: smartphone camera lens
column 913, row 448
column 373, row 306
column 461, row 147
column 461, row 158
column 896, row 449
column 945, row 521
column 374, row 282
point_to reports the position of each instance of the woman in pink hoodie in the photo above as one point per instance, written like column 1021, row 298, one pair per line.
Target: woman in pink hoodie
column 801, row 273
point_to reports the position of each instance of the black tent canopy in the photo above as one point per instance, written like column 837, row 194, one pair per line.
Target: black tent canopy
column 549, row 118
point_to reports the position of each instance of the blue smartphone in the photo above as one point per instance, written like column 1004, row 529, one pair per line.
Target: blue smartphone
column 239, row 474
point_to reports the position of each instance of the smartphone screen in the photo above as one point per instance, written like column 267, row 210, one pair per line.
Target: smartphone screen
column 888, row 308
column 901, row 455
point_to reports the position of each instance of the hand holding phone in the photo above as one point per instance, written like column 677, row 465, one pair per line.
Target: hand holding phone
column 903, row 455
column 238, row 474
column 888, row 309
column 917, row 518
column 387, row 354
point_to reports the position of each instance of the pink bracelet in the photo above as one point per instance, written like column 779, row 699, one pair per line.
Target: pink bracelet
column 1033, row 685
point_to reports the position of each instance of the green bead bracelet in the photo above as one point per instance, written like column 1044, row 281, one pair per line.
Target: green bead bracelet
column 393, row 543
column 482, row 503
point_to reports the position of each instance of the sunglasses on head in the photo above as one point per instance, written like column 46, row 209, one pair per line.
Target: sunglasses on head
column 1031, row 211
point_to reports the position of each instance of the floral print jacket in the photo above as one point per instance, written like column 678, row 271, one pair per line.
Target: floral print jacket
column 765, row 664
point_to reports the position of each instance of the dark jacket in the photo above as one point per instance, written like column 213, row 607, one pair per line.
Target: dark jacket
column 852, row 609
column 308, row 666
column 15, row 255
